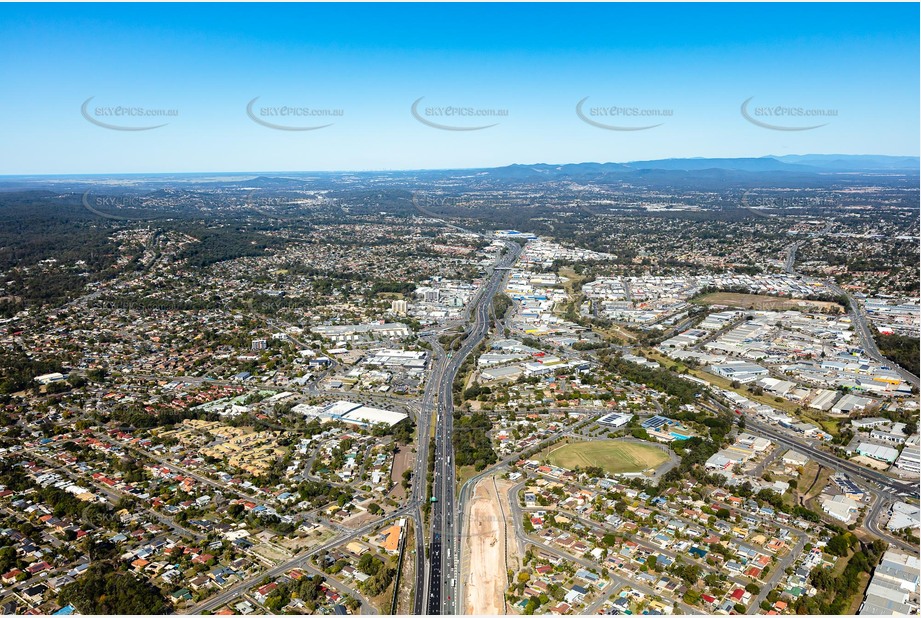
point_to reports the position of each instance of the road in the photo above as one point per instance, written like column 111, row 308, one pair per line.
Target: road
column 858, row 319
column 883, row 488
column 888, row 485
column 466, row 492
column 420, row 470
column 303, row 561
column 411, row 510
column 871, row 523
column 444, row 546
column 430, row 581
column 867, row 342
column 778, row 572
column 113, row 496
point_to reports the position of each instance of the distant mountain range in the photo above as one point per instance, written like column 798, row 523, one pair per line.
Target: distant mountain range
column 701, row 172
column 807, row 164
column 853, row 162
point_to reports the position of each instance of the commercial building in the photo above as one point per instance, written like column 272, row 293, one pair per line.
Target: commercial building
column 878, row 452
column 869, row 422
column 903, row 515
column 893, row 434
column 407, row 359
column 739, row 370
column 615, row 420
column 795, row 459
column 515, row 235
column 894, row 585
column 356, row 332
column 850, row 403
column 823, row 400
column 841, row 508
column 910, row 459
column 501, row 373
column 48, row 378
column 367, row 416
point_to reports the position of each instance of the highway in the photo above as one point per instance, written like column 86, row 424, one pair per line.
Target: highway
column 421, row 469
column 887, row 484
column 883, row 488
column 431, row 581
column 444, row 546
column 867, row 342
column 858, row 319
column 235, row 591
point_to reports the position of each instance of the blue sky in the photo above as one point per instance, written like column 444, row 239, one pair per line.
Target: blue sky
column 694, row 65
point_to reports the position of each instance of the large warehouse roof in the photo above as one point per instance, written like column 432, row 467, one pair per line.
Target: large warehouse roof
column 372, row 416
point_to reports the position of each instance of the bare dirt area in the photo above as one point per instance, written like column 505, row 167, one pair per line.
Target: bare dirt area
column 402, row 461
column 483, row 548
column 768, row 303
column 357, row 521
column 870, row 463
column 272, row 553
column 305, row 541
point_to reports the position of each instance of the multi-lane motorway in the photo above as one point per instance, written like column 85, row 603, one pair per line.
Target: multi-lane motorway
column 443, row 546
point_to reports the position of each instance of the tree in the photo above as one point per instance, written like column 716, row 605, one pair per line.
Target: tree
column 839, row 545
column 104, row 589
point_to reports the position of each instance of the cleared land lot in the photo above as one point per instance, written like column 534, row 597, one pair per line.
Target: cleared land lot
column 612, row 457
column 766, row 303
column 483, row 547
column 402, row 461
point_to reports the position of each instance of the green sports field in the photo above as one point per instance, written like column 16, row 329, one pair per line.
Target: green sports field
column 612, row 457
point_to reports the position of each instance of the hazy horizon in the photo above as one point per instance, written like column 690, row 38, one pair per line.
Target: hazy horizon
column 432, row 169
column 109, row 89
